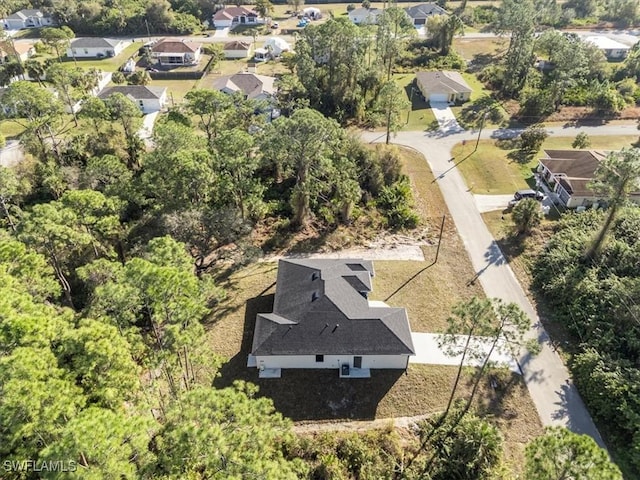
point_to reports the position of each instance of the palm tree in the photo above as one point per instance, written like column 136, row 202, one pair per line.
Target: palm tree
column 526, row 215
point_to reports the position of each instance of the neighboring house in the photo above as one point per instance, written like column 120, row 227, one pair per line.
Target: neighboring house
column 237, row 49
column 365, row 16
column 612, row 50
column 27, row 19
column 273, row 48
column 15, row 51
column 95, row 48
column 322, row 319
column 149, row 99
column 251, row 85
column 232, row 16
column 176, row 52
column 443, row 86
column 421, row 12
column 568, row 174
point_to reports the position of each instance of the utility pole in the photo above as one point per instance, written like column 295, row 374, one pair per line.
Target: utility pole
column 484, row 116
column 440, row 238
column 148, row 33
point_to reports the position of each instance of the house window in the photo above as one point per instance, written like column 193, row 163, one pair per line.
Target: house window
column 86, row 52
column 319, row 358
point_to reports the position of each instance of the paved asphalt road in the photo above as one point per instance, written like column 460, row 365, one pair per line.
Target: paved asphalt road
column 548, row 380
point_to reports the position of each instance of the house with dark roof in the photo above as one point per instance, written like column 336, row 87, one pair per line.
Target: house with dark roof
column 96, row 47
column 232, row 16
column 176, row 52
column 237, row 49
column 27, row 18
column 443, row 86
column 421, row 12
column 251, row 85
column 568, row 173
column 149, row 99
column 322, row 318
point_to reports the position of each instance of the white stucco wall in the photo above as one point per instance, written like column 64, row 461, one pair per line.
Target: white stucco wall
column 94, row 52
column 237, row 53
column 331, row 361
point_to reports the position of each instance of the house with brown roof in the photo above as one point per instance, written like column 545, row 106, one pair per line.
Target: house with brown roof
column 443, row 86
column 568, row 173
column 237, row 49
column 232, row 16
column 15, row 51
column 322, row 318
column 176, row 52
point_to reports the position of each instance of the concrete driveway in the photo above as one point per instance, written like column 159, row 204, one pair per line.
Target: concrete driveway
column 489, row 203
column 429, row 351
column 221, row 32
column 445, row 117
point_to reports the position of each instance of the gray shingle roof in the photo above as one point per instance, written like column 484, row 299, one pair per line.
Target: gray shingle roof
column 94, row 42
column 137, row 92
column 250, row 84
column 26, row 13
column 425, row 10
column 442, row 82
column 319, row 309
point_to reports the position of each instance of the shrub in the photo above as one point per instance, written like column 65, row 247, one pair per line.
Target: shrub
column 395, row 202
column 351, row 7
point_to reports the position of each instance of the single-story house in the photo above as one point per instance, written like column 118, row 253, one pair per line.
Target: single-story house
column 443, row 86
column 94, row 47
column 251, row 85
column 176, row 52
column 28, row 18
column 365, row 16
column 149, row 99
column 568, row 174
column 12, row 51
column 231, row 16
column 273, row 48
column 612, row 49
column 322, row 319
column 421, row 12
column 237, row 49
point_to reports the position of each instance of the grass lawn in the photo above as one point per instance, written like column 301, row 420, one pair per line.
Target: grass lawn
column 489, row 171
column 428, row 292
column 10, row 129
column 107, row 64
column 484, row 48
column 420, row 117
column 177, row 89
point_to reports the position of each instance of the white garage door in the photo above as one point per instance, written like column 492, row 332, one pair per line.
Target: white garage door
column 438, row 97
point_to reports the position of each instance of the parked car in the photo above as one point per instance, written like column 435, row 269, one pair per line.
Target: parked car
column 522, row 194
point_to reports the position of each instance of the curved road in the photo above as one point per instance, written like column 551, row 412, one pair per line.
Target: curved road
column 548, row 381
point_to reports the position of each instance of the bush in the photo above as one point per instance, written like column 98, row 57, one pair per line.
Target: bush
column 351, row 7
column 532, row 138
column 395, row 202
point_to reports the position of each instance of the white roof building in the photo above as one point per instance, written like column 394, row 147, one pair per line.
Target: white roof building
column 612, row 49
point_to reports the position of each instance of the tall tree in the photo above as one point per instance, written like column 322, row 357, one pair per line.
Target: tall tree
column 57, row 38
column 38, row 111
column 562, row 454
column 212, row 108
column 238, row 436
column 518, row 18
column 63, row 78
column 617, row 175
column 303, row 144
column 122, row 109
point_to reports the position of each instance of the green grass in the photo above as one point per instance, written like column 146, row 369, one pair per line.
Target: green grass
column 107, row 64
column 478, row 90
column 10, row 129
column 488, row 170
column 177, row 89
column 420, row 117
